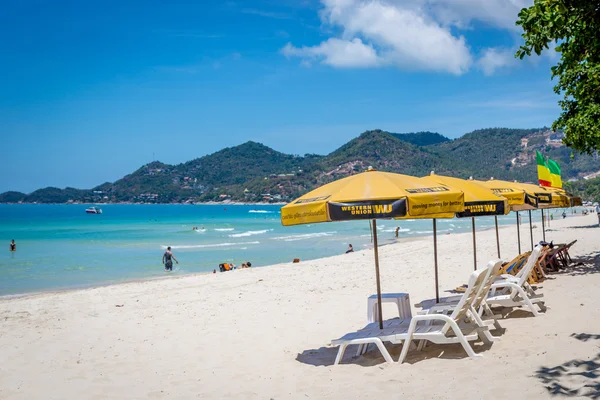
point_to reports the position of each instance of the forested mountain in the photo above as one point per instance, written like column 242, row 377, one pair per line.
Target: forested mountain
column 254, row 172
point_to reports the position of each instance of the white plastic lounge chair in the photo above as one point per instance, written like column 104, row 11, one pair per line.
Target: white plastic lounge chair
column 420, row 327
column 478, row 307
column 514, row 291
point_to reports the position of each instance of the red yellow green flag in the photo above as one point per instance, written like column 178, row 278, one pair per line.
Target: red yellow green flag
column 555, row 179
column 544, row 176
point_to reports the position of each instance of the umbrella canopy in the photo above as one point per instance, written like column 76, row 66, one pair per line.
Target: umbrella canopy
column 518, row 198
column 479, row 201
column 563, row 199
column 373, row 195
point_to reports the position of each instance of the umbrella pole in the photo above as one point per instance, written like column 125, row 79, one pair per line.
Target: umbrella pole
column 518, row 233
column 497, row 236
column 435, row 261
column 543, row 226
column 531, row 230
column 474, row 245
column 379, row 310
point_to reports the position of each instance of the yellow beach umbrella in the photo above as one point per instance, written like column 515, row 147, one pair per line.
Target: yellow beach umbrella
column 519, row 199
column 479, row 201
column 373, row 195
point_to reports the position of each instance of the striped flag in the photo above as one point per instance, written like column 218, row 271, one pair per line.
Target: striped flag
column 555, row 179
column 544, row 176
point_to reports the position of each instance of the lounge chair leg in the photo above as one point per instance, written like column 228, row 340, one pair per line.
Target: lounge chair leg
column 383, row 350
column 485, row 335
column 531, row 307
column 463, row 341
column 340, row 354
column 359, row 350
column 407, row 341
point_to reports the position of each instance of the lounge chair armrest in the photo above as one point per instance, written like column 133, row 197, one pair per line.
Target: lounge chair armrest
column 505, row 284
column 432, row 317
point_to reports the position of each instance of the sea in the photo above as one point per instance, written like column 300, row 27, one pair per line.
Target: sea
column 62, row 247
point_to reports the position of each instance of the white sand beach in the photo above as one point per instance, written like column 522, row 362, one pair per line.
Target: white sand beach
column 264, row 333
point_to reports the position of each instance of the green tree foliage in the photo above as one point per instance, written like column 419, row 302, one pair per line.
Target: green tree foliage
column 574, row 25
column 422, row 138
column 589, row 190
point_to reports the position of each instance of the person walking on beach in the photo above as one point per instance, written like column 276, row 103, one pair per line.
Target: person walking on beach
column 167, row 259
column 13, row 245
column 598, row 213
column 350, row 249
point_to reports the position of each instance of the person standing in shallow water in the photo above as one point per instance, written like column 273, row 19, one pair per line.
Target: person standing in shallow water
column 13, row 245
column 168, row 258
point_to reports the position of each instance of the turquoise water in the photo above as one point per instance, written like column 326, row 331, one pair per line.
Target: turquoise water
column 60, row 246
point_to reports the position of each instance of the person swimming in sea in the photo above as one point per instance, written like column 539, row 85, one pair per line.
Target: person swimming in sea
column 167, row 259
column 13, row 245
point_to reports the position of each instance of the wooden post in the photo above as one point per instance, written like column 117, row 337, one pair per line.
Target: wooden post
column 497, row 235
column 531, row 230
column 379, row 310
column 435, row 261
column 518, row 233
column 474, row 244
column 543, row 226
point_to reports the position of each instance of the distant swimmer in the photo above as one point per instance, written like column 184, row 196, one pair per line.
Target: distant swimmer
column 350, row 249
column 13, row 245
column 167, row 259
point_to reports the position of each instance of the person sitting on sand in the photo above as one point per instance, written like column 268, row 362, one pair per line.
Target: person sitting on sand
column 350, row 249
column 167, row 259
column 246, row 264
column 13, row 245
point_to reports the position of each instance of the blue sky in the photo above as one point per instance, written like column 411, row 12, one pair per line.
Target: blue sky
column 90, row 91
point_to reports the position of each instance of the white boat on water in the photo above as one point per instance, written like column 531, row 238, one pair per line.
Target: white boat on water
column 93, row 210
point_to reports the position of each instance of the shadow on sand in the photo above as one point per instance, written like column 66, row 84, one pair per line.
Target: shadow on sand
column 573, row 378
column 325, row 356
column 582, row 265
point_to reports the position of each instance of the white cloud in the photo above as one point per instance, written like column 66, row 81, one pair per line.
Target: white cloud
column 460, row 13
column 409, row 34
column 337, row 53
column 495, row 58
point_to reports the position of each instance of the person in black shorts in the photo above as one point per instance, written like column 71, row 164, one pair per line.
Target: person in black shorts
column 13, row 246
column 167, row 259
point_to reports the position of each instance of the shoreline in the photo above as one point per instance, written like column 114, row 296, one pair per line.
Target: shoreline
column 426, row 238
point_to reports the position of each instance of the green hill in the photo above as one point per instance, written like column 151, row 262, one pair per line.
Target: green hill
column 254, row 172
column 12, row 197
column 422, row 138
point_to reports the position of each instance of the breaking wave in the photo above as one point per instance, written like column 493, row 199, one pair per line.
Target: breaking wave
column 293, row 238
column 249, row 233
column 201, row 246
